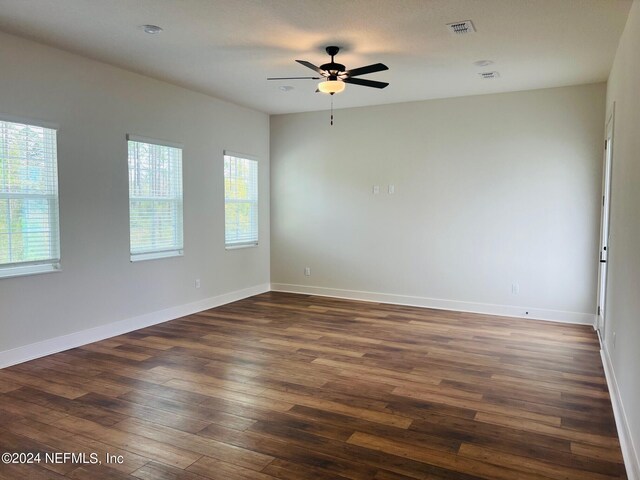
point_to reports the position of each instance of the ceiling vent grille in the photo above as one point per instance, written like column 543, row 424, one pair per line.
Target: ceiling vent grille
column 489, row 74
column 461, row 28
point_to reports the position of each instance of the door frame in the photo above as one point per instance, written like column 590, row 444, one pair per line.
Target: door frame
column 605, row 222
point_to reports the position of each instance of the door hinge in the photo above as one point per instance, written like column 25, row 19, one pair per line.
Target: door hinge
column 605, row 144
column 603, row 200
column 598, row 309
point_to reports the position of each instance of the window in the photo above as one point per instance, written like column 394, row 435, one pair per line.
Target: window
column 240, row 201
column 155, row 199
column 29, row 227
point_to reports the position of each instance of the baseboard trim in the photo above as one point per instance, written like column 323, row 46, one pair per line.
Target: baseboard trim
column 440, row 304
column 83, row 337
column 629, row 451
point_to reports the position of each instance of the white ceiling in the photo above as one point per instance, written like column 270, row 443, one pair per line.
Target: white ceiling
column 227, row 48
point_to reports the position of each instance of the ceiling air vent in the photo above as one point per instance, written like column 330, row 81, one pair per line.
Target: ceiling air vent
column 461, row 28
column 489, row 74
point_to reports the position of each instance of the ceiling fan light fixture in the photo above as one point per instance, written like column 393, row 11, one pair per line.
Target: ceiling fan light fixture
column 331, row 86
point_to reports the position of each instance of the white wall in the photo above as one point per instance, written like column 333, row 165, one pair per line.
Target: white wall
column 490, row 190
column 623, row 299
column 95, row 106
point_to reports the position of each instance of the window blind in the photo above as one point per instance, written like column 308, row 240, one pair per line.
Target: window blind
column 155, row 199
column 240, row 200
column 29, row 225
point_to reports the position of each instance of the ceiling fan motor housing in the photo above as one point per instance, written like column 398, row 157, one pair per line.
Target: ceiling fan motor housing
column 332, row 67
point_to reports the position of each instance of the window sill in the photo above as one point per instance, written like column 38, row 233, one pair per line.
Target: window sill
column 240, row 246
column 22, row 271
column 140, row 257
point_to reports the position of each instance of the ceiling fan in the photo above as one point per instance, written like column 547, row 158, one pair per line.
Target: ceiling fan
column 334, row 75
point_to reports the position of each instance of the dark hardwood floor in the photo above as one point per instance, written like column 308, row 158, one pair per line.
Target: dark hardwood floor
column 299, row 387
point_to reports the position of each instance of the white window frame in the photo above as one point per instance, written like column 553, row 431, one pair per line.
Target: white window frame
column 157, row 254
column 252, row 243
column 19, row 269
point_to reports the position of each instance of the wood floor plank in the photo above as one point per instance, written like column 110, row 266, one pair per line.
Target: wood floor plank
column 69, row 407
column 98, row 472
column 477, row 405
column 296, row 387
column 432, row 457
column 138, row 444
column 15, row 443
column 601, row 453
column 69, row 442
column 175, row 406
column 219, row 470
column 197, row 444
column 285, row 470
column 292, row 452
column 28, row 471
column 158, row 471
column 7, row 385
column 559, row 432
column 526, row 465
column 62, row 389
column 75, row 378
column 143, row 412
column 13, row 408
column 217, row 392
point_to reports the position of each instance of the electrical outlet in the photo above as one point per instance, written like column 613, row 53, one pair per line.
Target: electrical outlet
column 515, row 288
column 197, row 283
column 307, row 271
column 392, row 189
column 376, row 189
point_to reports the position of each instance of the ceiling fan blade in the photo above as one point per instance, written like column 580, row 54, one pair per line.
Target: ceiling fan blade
column 365, row 83
column 376, row 67
column 293, row 78
column 311, row 66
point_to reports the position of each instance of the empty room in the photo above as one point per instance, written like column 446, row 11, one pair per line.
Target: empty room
column 320, row 240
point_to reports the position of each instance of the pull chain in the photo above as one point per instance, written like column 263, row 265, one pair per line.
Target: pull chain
column 331, row 110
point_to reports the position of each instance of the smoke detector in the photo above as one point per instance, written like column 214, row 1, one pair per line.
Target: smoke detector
column 461, row 28
column 150, row 29
column 489, row 74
